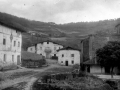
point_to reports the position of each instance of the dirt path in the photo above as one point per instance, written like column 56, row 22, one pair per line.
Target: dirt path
column 30, row 83
column 8, row 82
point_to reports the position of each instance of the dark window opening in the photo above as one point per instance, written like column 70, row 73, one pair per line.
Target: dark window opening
column 72, row 55
column 4, row 41
column 4, row 58
column 62, row 55
column 61, row 61
column 14, row 43
column 18, row 44
column 47, row 42
column 18, row 60
column 72, row 62
column 13, row 58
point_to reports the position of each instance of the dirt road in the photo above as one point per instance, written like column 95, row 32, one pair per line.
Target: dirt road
column 29, row 78
column 9, row 82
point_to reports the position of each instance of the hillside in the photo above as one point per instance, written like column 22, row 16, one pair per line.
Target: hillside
column 70, row 33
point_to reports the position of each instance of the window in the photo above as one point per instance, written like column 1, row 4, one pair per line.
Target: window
column 72, row 55
column 62, row 55
column 31, row 49
column 72, row 62
column 61, row 61
column 13, row 58
column 14, row 43
column 4, row 58
column 47, row 42
column 41, row 48
column 4, row 41
column 54, row 48
column 18, row 44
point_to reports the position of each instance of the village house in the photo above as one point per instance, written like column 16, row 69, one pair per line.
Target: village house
column 10, row 45
column 46, row 48
column 68, row 56
column 32, row 60
column 32, row 49
column 88, row 58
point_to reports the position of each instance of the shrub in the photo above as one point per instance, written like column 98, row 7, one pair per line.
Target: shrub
column 113, row 84
column 76, row 66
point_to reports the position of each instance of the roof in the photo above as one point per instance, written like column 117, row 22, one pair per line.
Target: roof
column 31, row 56
column 68, row 48
column 117, row 25
column 90, row 62
column 58, row 43
column 11, row 26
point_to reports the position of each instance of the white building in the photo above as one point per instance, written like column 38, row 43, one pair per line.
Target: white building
column 47, row 48
column 10, row 45
column 32, row 49
column 68, row 56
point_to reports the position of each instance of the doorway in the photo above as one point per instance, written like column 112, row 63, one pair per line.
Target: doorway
column 66, row 63
column 88, row 68
column 18, row 60
column 48, row 55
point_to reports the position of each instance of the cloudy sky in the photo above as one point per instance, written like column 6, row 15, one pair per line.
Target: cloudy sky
column 62, row 11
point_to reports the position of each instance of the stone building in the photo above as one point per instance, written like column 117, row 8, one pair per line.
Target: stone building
column 46, row 48
column 10, row 45
column 87, row 52
column 68, row 56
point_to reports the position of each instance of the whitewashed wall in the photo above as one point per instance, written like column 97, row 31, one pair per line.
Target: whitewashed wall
column 68, row 57
column 42, row 46
column 96, row 69
column 31, row 49
column 9, row 49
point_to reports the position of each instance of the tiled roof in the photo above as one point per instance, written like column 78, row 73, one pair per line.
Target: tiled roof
column 41, row 42
column 68, row 48
column 90, row 62
column 31, row 56
column 11, row 26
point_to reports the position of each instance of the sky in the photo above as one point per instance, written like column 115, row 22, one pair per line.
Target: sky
column 62, row 11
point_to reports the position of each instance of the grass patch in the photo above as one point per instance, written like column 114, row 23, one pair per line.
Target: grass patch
column 8, row 67
column 19, row 86
column 60, row 69
column 54, row 71
column 22, row 74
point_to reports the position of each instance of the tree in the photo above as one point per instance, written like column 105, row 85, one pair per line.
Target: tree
column 109, row 55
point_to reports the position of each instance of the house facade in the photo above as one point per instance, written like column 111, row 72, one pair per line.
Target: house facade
column 47, row 49
column 68, row 56
column 31, row 49
column 10, row 45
